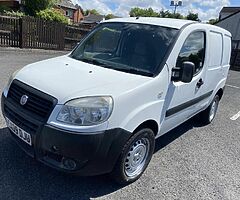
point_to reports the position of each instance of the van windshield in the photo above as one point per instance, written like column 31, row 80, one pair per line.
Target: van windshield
column 128, row 47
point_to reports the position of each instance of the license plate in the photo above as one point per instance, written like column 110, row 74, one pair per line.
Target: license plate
column 23, row 135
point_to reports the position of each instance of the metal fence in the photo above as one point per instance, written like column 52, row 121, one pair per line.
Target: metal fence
column 9, row 31
column 29, row 32
column 73, row 35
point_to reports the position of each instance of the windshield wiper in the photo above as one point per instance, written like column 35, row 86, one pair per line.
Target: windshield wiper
column 129, row 69
column 136, row 71
column 115, row 67
column 94, row 62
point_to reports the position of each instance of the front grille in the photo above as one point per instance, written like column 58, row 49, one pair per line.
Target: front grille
column 31, row 116
column 39, row 104
column 21, row 122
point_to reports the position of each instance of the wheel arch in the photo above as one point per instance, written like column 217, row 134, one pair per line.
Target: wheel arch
column 152, row 124
column 220, row 93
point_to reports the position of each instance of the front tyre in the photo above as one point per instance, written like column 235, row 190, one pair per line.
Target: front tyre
column 135, row 157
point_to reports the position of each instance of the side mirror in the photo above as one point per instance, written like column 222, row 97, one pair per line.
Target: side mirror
column 185, row 73
column 188, row 69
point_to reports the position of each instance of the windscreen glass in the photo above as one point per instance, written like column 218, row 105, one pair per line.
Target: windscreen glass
column 132, row 48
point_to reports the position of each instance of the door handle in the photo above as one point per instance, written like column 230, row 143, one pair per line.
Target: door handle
column 200, row 83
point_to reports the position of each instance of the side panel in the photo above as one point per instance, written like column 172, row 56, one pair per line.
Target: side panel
column 226, row 54
column 143, row 103
column 183, row 100
column 214, row 74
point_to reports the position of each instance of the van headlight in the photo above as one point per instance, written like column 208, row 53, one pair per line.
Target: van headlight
column 86, row 111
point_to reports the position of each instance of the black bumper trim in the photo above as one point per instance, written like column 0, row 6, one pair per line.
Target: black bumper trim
column 94, row 153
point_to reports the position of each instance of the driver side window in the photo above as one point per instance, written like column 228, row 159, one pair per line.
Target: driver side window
column 193, row 50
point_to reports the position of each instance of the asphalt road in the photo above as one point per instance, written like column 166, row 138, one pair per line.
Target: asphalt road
column 190, row 162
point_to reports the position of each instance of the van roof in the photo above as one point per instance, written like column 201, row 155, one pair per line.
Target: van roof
column 167, row 22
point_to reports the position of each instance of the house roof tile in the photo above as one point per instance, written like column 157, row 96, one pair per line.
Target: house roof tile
column 91, row 18
column 67, row 4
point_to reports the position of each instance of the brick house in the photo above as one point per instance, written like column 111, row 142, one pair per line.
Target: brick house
column 92, row 19
column 71, row 11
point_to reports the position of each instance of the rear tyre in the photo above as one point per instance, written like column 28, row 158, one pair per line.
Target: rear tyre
column 208, row 115
column 135, row 157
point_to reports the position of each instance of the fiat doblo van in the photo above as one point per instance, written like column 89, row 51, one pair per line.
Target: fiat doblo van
column 100, row 108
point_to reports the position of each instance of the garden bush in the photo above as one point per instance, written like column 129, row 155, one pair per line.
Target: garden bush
column 52, row 15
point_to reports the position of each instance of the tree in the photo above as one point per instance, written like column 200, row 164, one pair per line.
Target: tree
column 177, row 16
column 168, row 14
column 192, row 16
column 4, row 8
column 165, row 14
column 140, row 12
column 213, row 21
column 93, row 11
column 149, row 12
column 110, row 16
column 52, row 15
column 32, row 7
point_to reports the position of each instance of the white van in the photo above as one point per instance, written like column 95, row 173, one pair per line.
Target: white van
column 100, row 108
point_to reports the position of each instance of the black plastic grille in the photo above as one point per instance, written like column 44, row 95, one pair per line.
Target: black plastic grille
column 39, row 104
column 17, row 119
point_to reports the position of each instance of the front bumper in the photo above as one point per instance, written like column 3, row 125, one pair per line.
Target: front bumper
column 92, row 153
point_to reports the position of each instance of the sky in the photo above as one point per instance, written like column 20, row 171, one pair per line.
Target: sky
column 206, row 9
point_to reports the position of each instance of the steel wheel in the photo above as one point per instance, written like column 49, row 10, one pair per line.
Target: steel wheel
column 213, row 110
column 136, row 158
column 208, row 115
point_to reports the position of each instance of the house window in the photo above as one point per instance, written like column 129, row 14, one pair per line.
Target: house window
column 69, row 13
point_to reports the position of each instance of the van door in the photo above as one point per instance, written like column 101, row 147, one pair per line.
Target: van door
column 183, row 99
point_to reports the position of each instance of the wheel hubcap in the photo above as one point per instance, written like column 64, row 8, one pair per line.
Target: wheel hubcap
column 136, row 158
column 213, row 110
